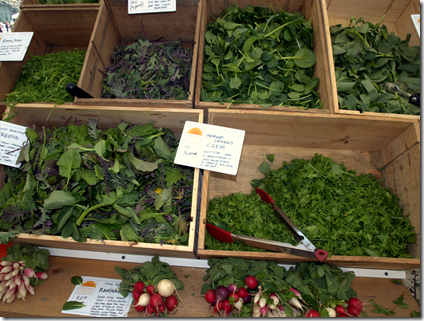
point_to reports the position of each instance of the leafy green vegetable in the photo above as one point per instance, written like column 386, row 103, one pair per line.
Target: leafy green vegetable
column 44, row 78
column 381, row 309
column 88, row 185
column 149, row 70
column 72, row 305
column 150, row 273
column 76, row 280
column 366, row 56
column 259, row 56
column 415, row 314
column 34, row 257
column 400, row 303
column 338, row 210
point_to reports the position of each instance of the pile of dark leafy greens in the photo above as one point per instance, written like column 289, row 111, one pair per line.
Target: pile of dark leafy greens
column 44, row 78
column 66, row 1
column 260, row 56
column 150, row 273
column 149, row 70
column 338, row 211
column 82, row 182
column 366, row 56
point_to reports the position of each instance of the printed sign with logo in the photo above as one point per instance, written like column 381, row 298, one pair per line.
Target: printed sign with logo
column 416, row 18
column 151, row 6
column 210, row 147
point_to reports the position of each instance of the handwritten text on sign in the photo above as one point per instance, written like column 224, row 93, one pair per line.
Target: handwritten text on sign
column 12, row 138
column 14, row 45
column 210, row 147
column 151, row 6
column 101, row 298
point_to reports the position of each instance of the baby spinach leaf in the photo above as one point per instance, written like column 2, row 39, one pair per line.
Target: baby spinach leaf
column 58, row 199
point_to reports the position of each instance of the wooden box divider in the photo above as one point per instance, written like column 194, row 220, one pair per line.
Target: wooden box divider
column 362, row 143
column 115, row 28
column 112, row 116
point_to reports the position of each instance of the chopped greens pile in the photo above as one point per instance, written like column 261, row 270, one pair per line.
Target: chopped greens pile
column 149, row 70
column 44, row 78
column 260, row 56
column 366, row 56
column 82, row 182
column 150, row 273
column 338, row 210
column 66, row 1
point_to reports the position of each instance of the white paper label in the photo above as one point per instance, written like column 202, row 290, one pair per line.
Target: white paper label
column 12, row 138
column 417, row 22
column 210, row 147
column 101, row 298
column 14, row 45
column 151, row 6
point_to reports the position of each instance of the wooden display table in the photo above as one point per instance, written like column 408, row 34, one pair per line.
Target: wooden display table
column 55, row 291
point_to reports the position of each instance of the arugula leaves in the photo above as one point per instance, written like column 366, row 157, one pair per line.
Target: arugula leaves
column 89, row 184
column 365, row 57
column 338, row 210
column 150, row 273
column 259, row 56
column 149, row 70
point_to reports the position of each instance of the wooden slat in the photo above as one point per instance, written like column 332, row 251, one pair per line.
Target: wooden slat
column 55, row 291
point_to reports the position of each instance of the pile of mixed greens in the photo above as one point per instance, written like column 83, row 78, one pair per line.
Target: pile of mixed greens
column 366, row 56
column 260, row 56
column 149, row 70
column 338, row 211
column 82, row 182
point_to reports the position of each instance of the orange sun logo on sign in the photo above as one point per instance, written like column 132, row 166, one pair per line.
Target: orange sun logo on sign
column 194, row 136
column 87, row 288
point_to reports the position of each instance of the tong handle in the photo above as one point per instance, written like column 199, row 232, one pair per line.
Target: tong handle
column 415, row 100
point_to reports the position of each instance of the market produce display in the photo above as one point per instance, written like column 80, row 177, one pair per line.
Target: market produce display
column 338, row 210
column 82, row 182
column 149, row 70
column 66, row 1
column 153, row 286
column 44, row 78
column 21, row 270
column 249, row 288
column 366, row 56
column 259, row 56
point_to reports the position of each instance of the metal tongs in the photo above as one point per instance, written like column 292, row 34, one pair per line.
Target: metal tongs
column 304, row 248
column 413, row 99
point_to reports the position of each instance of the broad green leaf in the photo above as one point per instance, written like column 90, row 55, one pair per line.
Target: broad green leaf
column 141, row 165
column 76, row 280
column 230, row 25
column 58, row 199
column 72, row 305
column 305, row 58
column 235, row 82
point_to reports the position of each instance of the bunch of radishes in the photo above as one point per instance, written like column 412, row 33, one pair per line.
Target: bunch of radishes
column 155, row 300
column 15, row 280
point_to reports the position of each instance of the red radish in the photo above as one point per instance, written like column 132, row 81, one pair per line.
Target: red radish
column 251, row 282
column 156, row 301
column 135, row 295
column 312, row 314
column 354, row 302
column 235, row 296
column 30, row 289
column 247, row 299
column 264, row 311
column 340, row 309
column 242, row 292
column 139, row 308
column 232, row 288
column 210, row 296
column 150, row 290
column 139, row 287
column 343, row 315
column 162, row 308
column 41, row 275
column 353, row 311
column 149, row 310
column 29, row 272
column 171, row 303
column 227, row 307
column 217, row 307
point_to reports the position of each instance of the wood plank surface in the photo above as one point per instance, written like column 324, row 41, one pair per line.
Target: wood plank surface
column 54, row 292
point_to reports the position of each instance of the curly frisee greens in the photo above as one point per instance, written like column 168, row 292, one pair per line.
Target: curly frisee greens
column 82, row 182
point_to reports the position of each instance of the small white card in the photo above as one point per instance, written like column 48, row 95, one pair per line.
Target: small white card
column 101, row 298
column 417, row 22
column 151, row 6
column 12, row 139
column 210, row 147
column 14, row 45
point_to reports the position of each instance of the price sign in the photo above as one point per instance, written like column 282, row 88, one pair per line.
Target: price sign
column 12, row 139
column 210, row 147
column 151, row 6
column 14, row 45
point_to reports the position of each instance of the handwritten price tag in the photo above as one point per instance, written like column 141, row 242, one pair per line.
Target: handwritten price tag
column 210, row 147
column 12, row 138
column 151, row 6
column 14, row 45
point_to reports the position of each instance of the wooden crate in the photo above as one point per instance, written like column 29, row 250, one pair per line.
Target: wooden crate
column 33, row 4
column 116, row 28
column 360, row 143
column 398, row 20
column 55, row 29
column 312, row 9
column 173, row 119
